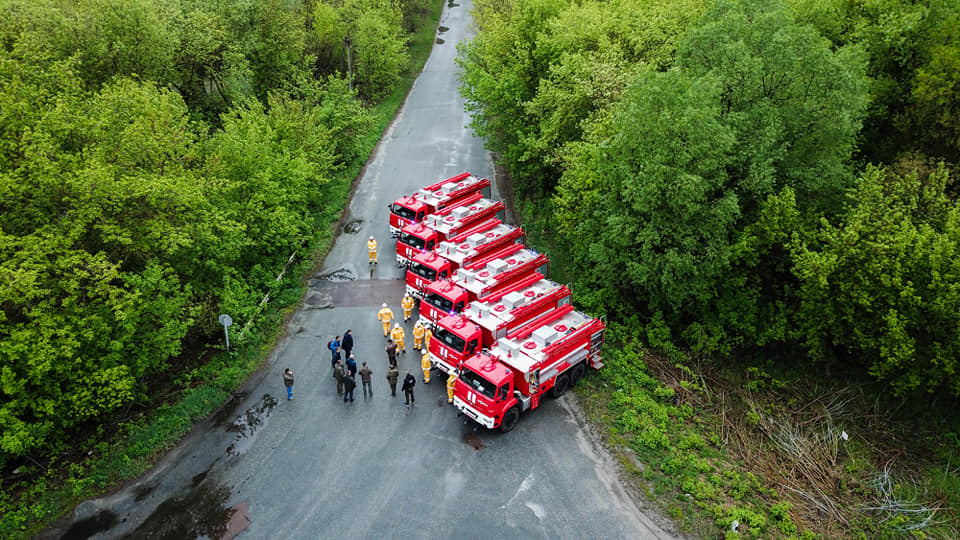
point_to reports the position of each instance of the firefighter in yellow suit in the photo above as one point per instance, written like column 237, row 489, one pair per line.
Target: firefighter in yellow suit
column 425, row 366
column 418, row 336
column 407, row 304
column 372, row 251
column 385, row 316
column 451, row 382
column 427, row 334
column 397, row 336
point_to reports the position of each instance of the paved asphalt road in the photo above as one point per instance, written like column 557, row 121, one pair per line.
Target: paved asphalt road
column 317, row 467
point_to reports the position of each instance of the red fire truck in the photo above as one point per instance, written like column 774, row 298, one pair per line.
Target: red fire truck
column 436, row 228
column 462, row 250
column 548, row 355
column 482, row 323
column 502, row 271
column 433, row 198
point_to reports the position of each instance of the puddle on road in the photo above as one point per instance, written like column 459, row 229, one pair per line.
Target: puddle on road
column 199, row 478
column 201, row 513
column 440, row 41
column 228, row 409
column 85, row 528
column 339, row 275
column 352, row 226
column 443, row 29
column 248, row 424
column 474, row 440
column 140, row 492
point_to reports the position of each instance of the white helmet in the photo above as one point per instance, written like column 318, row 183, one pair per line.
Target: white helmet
column 371, row 238
column 384, row 304
column 396, row 325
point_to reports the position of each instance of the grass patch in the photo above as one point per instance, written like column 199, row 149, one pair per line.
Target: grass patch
column 750, row 455
column 37, row 495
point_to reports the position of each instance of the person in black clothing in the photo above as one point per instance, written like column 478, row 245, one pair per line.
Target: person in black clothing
column 349, row 383
column 347, row 343
column 351, row 366
column 408, row 383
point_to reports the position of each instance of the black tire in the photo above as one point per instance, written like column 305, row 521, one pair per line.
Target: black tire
column 510, row 420
column 561, row 386
column 578, row 372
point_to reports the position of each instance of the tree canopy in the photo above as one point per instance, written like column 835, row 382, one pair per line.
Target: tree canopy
column 706, row 165
column 159, row 162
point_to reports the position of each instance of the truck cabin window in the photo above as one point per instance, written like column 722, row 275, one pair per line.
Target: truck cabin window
column 450, row 339
column 403, row 211
column 424, row 271
column 439, row 302
column 478, row 383
column 411, row 240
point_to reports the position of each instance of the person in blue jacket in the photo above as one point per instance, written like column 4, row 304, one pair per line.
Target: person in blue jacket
column 334, row 346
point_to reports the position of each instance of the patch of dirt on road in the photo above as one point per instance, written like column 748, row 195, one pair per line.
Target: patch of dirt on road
column 474, row 440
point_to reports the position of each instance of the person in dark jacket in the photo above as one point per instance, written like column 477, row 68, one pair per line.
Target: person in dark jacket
column 408, row 383
column 288, row 382
column 349, row 383
column 334, row 347
column 351, row 366
column 365, row 374
column 338, row 374
column 347, row 343
column 392, row 377
column 391, row 349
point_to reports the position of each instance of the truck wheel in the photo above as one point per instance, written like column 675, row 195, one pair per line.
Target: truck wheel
column 510, row 420
column 560, row 388
column 577, row 374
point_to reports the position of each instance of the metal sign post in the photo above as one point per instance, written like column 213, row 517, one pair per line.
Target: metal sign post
column 226, row 321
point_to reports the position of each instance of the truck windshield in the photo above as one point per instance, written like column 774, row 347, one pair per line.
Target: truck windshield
column 478, row 383
column 439, row 302
column 403, row 211
column 450, row 339
column 424, row 271
column 412, row 240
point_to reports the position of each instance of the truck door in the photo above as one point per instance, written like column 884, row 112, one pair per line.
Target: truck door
column 471, row 348
column 430, row 245
column 459, row 307
column 504, row 393
column 533, row 379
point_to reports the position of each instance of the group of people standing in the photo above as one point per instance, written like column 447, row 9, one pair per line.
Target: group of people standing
column 345, row 366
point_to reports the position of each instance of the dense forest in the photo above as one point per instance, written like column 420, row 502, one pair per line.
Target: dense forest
column 744, row 178
column 160, row 161
column 761, row 198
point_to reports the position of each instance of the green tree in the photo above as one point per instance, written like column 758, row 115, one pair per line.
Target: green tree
column 795, row 103
column 674, row 202
column 911, row 46
column 882, row 287
column 642, row 202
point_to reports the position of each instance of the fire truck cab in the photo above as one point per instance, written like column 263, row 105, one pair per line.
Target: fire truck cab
column 449, row 223
column 502, row 271
column 433, row 198
column 462, row 250
column 549, row 355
